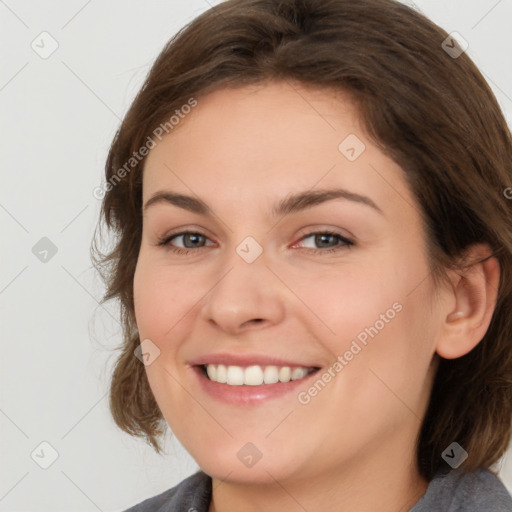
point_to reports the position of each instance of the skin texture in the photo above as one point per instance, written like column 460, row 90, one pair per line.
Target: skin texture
column 352, row 447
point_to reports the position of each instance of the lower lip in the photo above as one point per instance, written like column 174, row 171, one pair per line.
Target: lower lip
column 249, row 395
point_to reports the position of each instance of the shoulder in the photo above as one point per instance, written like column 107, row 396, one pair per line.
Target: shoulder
column 193, row 493
column 456, row 491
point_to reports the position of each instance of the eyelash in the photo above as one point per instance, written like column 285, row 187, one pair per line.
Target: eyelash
column 165, row 241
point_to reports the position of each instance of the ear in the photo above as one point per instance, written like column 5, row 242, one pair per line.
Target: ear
column 473, row 300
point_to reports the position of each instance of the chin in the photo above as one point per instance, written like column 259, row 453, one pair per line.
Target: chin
column 245, row 462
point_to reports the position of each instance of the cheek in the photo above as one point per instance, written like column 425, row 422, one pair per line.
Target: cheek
column 396, row 349
column 147, row 298
column 160, row 304
column 380, row 311
column 161, row 297
column 349, row 299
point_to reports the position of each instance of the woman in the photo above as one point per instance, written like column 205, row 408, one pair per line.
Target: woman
column 314, row 262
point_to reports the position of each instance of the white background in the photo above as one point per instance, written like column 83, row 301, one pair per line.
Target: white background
column 58, row 118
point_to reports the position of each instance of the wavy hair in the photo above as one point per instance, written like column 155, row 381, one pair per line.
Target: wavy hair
column 432, row 112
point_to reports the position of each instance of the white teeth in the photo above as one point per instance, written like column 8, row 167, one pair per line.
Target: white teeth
column 254, row 375
column 235, row 376
column 271, row 375
column 211, row 370
column 285, row 373
column 222, row 373
column 298, row 373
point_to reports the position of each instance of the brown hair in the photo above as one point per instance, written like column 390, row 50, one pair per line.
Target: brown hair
column 434, row 114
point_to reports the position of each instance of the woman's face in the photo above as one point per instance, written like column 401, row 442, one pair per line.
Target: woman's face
column 284, row 279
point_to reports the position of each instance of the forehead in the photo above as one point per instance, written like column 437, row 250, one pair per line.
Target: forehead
column 248, row 143
column 259, row 126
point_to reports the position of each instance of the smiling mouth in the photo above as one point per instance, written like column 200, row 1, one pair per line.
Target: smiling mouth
column 254, row 375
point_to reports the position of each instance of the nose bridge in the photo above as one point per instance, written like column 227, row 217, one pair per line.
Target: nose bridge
column 246, row 290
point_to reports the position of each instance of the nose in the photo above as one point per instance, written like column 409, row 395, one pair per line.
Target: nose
column 246, row 296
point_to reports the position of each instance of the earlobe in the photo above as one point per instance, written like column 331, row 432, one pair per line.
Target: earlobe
column 475, row 291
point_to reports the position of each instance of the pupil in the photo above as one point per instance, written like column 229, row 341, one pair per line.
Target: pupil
column 191, row 236
column 321, row 238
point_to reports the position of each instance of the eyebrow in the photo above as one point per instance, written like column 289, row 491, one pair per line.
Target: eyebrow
column 291, row 204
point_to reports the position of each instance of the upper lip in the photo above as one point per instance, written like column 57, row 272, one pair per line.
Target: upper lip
column 245, row 360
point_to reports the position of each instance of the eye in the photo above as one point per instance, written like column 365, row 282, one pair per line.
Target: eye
column 193, row 240
column 325, row 240
column 190, row 239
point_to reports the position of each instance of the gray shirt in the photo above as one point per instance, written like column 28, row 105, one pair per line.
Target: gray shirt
column 449, row 491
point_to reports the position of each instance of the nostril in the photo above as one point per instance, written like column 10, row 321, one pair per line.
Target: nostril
column 253, row 320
